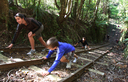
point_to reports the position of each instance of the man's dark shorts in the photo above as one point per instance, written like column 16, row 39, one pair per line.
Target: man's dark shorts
column 38, row 32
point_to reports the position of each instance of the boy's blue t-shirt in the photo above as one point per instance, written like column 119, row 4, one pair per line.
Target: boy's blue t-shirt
column 62, row 49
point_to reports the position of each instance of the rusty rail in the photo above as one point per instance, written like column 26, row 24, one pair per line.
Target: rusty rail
column 70, row 78
column 5, row 67
column 80, row 71
column 18, row 49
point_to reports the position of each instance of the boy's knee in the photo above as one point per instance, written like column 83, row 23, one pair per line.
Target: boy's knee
column 62, row 60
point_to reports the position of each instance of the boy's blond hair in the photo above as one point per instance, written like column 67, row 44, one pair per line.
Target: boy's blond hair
column 52, row 42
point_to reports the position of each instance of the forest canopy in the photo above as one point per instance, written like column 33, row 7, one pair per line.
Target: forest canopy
column 68, row 20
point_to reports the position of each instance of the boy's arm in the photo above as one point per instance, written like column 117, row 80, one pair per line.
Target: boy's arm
column 50, row 53
column 56, row 62
column 78, row 42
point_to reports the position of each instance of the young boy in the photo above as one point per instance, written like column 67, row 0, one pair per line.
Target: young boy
column 65, row 53
column 84, row 43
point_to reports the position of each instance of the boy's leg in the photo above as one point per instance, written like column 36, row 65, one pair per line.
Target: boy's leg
column 68, row 58
column 63, row 59
column 76, row 57
column 85, row 46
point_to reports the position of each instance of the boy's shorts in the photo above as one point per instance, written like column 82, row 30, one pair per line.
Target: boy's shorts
column 85, row 47
column 38, row 32
column 69, row 56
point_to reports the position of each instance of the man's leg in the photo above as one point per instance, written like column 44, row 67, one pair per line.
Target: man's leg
column 42, row 41
column 32, row 42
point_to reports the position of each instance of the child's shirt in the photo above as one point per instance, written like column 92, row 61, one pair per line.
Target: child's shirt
column 83, row 43
column 62, row 49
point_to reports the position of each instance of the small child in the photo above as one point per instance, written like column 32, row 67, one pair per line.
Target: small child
column 65, row 53
column 84, row 43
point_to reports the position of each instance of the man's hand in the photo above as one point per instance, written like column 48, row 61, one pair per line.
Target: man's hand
column 45, row 73
column 30, row 33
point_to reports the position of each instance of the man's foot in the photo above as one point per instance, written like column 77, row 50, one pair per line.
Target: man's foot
column 31, row 52
column 69, row 64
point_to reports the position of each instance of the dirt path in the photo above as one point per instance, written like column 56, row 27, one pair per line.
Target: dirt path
column 117, row 71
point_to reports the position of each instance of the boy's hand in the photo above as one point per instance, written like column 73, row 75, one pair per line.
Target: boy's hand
column 44, row 58
column 45, row 73
column 10, row 46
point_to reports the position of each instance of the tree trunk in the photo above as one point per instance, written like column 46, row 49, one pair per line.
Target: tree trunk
column 4, row 8
column 34, row 2
column 105, row 3
column 74, row 9
column 69, row 9
column 90, row 1
column 11, row 3
column 39, row 2
column 16, row 3
column 66, row 7
column 79, row 10
column 96, row 10
column 62, row 11
column 57, row 5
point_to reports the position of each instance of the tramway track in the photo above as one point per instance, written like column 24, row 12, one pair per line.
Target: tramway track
column 18, row 49
column 15, row 64
column 85, row 67
column 72, row 74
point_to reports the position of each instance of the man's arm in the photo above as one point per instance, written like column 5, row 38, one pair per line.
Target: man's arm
column 18, row 29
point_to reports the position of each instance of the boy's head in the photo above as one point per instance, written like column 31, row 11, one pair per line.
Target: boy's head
column 83, row 38
column 52, row 43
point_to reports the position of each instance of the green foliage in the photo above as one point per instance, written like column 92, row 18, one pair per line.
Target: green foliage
column 125, row 41
column 44, row 13
column 68, row 39
column 113, row 11
column 101, row 23
column 38, row 12
column 89, row 9
column 126, row 20
column 14, row 8
column 126, row 52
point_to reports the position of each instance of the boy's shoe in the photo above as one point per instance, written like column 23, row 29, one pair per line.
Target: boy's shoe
column 69, row 64
column 31, row 52
column 75, row 60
